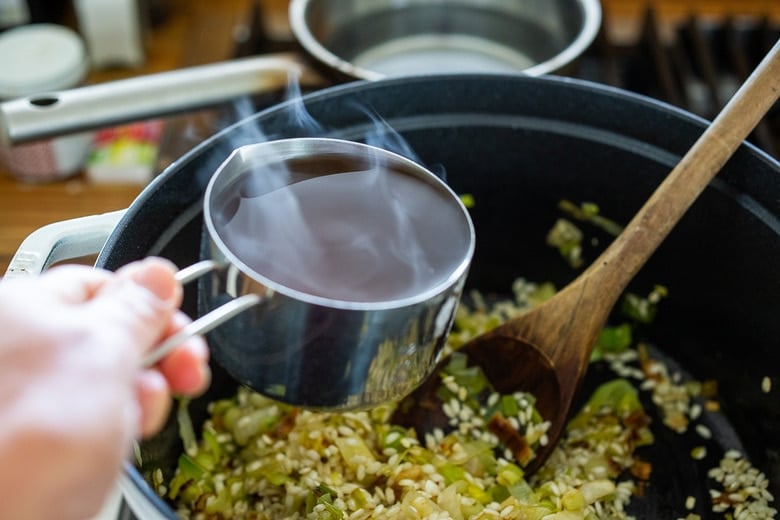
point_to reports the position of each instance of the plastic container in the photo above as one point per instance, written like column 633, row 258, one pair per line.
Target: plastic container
column 112, row 32
column 40, row 58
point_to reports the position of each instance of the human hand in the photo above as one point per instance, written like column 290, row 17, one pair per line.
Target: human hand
column 73, row 392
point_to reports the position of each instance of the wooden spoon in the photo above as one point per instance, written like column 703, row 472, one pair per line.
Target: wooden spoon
column 547, row 350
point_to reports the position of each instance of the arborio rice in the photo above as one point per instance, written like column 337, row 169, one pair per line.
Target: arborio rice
column 259, row 459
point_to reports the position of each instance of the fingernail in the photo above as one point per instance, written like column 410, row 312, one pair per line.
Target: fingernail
column 157, row 278
column 155, row 401
column 205, row 380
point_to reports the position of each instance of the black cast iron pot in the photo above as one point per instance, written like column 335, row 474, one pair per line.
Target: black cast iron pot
column 519, row 145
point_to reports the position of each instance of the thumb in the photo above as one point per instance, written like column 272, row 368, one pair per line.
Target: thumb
column 140, row 302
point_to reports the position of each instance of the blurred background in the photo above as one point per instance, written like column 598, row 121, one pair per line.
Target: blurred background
column 691, row 53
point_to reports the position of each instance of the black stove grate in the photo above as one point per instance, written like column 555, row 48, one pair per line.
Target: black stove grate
column 697, row 65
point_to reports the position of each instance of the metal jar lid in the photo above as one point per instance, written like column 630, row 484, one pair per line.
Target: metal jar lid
column 40, row 57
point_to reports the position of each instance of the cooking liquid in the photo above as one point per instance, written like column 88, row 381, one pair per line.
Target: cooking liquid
column 427, row 37
column 344, row 230
column 433, row 53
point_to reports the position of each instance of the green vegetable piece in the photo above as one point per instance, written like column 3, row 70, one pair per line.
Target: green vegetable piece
column 393, row 437
column 589, row 209
column 472, row 378
column 206, row 460
column 186, row 429
column 567, row 239
column 211, row 444
column 499, row 493
column 220, row 504
column 452, row 473
column 231, row 416
column 361, row 497
column 612, row 340
column 468, row 200
column 277, row 479
column 322, row 494
column 509, row 406
column 522, row 491
column 354, row 451
column 509, row 475
column 478, row 494
column 618, row 395
column 255, row 423
column 272, row 471
column 589, row 212
column 642, row 309
column 546, row 511
column 177, row 483
column 481, row 458
column 573, row 500
column 189, row 468
column 188, row 472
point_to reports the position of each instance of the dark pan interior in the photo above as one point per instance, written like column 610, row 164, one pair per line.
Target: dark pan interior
column 519, row 145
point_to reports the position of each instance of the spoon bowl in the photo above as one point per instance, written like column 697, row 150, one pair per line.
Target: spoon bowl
column 546, row 351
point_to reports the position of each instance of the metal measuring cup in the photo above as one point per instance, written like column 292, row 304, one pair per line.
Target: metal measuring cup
column 310, row 348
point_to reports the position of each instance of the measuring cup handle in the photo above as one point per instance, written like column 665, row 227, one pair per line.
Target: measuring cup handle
column 201, row 326
column 196, row 270
column 206, row 322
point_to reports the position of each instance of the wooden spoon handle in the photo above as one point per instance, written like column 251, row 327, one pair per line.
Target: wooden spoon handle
column 650, row 226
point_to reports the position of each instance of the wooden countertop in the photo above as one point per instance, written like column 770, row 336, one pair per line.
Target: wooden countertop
column 200, row 31
column 195, row 32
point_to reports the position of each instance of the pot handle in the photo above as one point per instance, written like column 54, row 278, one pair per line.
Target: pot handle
column 153, row 95
column 63, row 240
column 206, row 322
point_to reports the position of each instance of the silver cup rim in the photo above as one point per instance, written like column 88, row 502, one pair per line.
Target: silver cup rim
column 303, row 145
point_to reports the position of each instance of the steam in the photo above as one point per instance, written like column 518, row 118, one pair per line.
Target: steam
column 361, row 232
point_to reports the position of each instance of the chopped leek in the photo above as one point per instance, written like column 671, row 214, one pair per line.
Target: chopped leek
column 468, row 200
column 642, row 309
column 589, row 212
column 618, row 396
column 567, row 239
column 612, row 340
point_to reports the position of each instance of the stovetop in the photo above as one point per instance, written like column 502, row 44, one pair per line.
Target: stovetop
column 696, row 66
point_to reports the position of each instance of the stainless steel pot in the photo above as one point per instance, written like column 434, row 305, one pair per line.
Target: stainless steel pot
column 379, row 38
column 346, row 39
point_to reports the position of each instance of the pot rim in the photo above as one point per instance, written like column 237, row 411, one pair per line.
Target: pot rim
column 591, row 16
